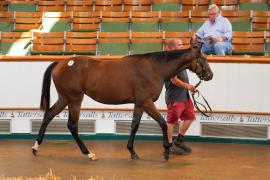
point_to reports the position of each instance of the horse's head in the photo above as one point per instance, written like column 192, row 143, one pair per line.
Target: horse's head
column 199, row 64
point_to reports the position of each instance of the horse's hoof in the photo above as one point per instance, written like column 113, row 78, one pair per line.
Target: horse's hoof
column 166, row 156
column 134, row 157
column 92, row 157
column 35, row 148
column 34, row 152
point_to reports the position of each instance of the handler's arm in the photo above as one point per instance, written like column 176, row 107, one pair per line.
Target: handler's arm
column 176, row 81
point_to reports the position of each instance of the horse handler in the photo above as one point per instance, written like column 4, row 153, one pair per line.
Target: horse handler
column 179, row 105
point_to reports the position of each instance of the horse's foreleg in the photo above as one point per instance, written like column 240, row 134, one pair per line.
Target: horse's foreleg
column 152, row 111
column 74, row 112
column 137, row 114
column 48, row 116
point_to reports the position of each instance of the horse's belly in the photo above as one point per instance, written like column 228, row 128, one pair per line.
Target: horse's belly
column 107, row 96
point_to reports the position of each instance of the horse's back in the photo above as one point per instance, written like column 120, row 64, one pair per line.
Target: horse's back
column 100, row 79
column 87, row 66
column 107, row 81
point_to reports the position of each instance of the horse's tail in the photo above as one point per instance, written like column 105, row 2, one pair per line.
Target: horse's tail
column 45, row 94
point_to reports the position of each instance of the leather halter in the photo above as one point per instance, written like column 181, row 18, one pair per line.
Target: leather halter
column 197, row 103
column 204, row 73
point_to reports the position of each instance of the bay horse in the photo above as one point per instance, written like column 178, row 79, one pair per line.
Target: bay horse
column 134, row 79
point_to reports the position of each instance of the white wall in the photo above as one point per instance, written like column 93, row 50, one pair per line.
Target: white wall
column 235, row 87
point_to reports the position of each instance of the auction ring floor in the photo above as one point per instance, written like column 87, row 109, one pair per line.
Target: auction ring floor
column 207, row 161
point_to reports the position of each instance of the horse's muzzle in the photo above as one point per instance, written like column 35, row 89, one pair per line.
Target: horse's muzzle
column 206, row 76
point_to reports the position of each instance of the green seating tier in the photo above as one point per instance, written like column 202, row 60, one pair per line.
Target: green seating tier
column 117, row 43
column 128, row 5
column 155, row 16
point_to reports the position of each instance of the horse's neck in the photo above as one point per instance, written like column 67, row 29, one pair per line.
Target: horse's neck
column 174, row 63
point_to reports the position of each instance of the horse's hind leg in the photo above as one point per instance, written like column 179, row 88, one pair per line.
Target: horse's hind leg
column 73, row 118
column 48, row 116
column 137, row 114
column 152, row 111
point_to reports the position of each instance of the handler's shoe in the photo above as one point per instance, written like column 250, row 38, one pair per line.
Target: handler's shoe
column 183, row 146
column 176, row 150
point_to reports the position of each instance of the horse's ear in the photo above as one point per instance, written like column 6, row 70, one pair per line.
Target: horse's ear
column 203, row 54
column 191, row 42
column 196, row 42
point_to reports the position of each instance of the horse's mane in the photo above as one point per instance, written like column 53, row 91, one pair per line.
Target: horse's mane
column 161, row 55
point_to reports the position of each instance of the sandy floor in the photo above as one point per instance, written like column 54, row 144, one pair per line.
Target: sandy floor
column 207, row 161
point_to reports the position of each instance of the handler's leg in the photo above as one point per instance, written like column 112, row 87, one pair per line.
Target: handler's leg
column 187, row 116
column 183, row 127
column 173, row 115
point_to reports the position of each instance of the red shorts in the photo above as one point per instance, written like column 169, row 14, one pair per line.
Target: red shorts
column 183, row 110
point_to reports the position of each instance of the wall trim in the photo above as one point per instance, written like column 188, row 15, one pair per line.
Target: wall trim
column 210, row 58
column 131, row 109
column 120, row 137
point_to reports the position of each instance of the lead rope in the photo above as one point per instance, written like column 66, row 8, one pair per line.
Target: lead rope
column 196, row 103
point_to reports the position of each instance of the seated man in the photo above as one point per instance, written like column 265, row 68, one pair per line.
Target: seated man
column 216, row 33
